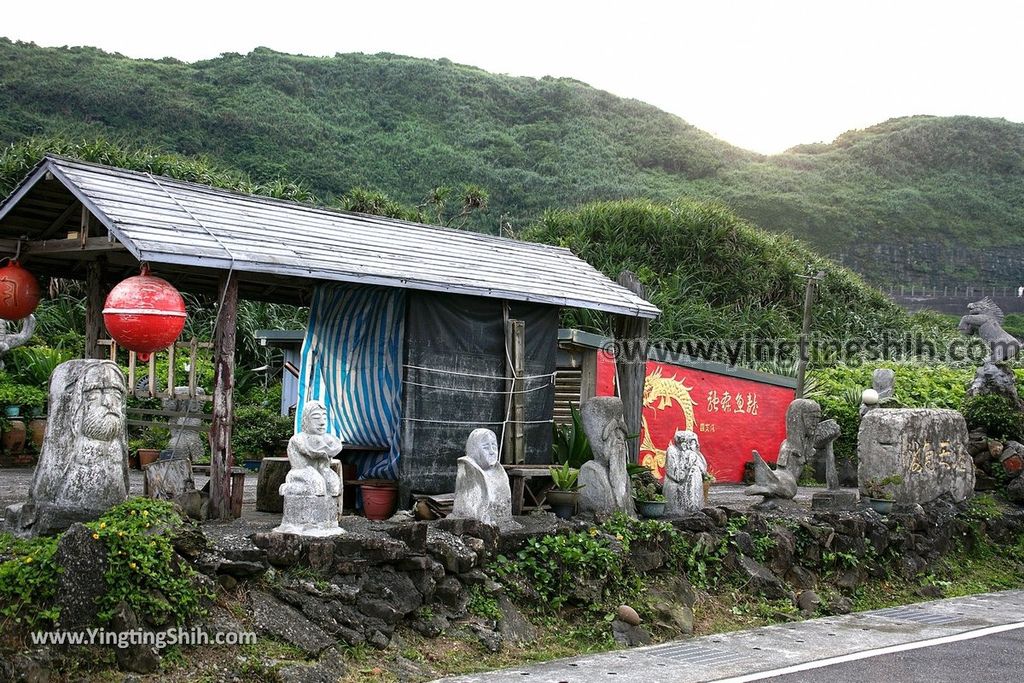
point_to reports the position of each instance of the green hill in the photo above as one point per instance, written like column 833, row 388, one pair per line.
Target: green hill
column 923, row 199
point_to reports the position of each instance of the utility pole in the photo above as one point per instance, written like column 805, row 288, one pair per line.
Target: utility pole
column 801, row 366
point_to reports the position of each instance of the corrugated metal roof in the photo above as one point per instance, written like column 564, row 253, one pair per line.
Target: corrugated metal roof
column 169, row 221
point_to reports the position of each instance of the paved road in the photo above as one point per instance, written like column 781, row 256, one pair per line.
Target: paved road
column 759, row 654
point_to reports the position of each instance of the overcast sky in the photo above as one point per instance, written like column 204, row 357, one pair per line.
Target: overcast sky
column 762, row 75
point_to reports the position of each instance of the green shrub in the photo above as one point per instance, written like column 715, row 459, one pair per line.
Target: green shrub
column 28, row 580
column 258, row 431
column 144, row 570
column 996, row 415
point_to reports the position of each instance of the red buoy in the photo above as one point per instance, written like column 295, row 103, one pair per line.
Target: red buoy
column 19, row 291
column 144, row 313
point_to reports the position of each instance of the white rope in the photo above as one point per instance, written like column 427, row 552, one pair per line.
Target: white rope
column 476, row 422
column 480, row 391
column 549, row 375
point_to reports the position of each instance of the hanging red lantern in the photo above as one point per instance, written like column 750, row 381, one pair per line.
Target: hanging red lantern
column 19, row 291
column 144, row 313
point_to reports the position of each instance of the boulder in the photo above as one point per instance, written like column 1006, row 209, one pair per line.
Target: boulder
column 926, row 447
column 272, row 617
column 82, row 582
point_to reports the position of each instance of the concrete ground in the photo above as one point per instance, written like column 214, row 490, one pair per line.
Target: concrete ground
column 882, row 643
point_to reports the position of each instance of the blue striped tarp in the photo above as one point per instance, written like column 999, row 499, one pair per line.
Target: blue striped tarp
column 352, row 362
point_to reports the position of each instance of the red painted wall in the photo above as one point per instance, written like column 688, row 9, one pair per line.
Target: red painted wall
column 730, row 415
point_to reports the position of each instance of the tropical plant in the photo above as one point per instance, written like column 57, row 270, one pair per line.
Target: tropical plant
column 34, row 365
column 565, row 477
column 570, row 445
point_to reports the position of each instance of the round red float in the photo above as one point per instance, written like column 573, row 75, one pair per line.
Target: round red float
column 144, row 314
column 19, row 291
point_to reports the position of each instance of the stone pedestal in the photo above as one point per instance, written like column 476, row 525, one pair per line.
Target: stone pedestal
column 834, row 501
column 311, row 516
column 273, row 472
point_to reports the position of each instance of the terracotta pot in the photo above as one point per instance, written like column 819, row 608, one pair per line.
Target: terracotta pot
column 36, row 431
column 13, row 439
column 147, row 456
column 563, row 503
column 379, row 500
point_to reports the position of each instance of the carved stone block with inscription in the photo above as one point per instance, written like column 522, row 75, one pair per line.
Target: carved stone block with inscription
column 927, row 448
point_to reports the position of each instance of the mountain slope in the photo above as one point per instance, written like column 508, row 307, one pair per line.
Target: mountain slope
column 921, row 199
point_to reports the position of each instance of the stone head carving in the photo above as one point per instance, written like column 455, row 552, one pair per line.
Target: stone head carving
column 83, row 460
column 605, row 427
column 482, row 447
column 314, row 418
column 985, row 319
column 802, row 418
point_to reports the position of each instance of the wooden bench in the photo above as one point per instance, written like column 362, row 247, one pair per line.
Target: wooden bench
column 530, row 485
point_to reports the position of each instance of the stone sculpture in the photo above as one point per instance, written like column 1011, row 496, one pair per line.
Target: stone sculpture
column 10, row 340
column 482, row 491
column 832, row 499
column 312, row 489
column 985, row 319
column 926, row 448
column 882, row 382
column 604, row 482
column 684, row 475
column 83, row 463
column 802, row 418
column 185, row 440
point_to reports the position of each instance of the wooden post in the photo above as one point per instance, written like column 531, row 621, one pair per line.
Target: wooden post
column 221, row 460
column 631, row 364
column 805, row 331
column 515, row 434
column 94, row 330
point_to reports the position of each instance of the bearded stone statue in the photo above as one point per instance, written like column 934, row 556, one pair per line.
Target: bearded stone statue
column 604, row 482
column 83, row 463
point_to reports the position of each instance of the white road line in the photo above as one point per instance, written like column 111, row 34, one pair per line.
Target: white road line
column 866, row 654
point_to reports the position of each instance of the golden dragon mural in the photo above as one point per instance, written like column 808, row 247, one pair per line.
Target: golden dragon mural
column 663, row 391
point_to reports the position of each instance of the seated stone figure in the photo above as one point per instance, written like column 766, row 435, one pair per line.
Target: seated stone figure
column 684, row 474
column 310, row 453
column 83, row 463
column 802, row 418
column 482, row 491
column 604, row 482
column 311, row 488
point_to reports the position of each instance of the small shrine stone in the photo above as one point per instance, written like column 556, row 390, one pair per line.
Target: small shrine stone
column 312, row 489
column 604, row 482
column 83, row 463
column 482, row 490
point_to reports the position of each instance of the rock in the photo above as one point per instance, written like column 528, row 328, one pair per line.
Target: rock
column 273, row 472
column 630, row 635
column 1015, row 490
column 490, row 639
column 926, row 447
column 274, row 618
column 744, row 543
column 139, row 658
column 840, row 605
column 761, row 580
column 627, row 614
column 800, row 577
column 450, row 551
column 430, row 626
column 513, row 626
column 227, row 581
column 717, row 516
column 984, row 482
column 779, row 557
column 808, row 602
column 392, row 588
column 329, row 669
column 834, row 501
column 995, row 448
column 1012, row 459
column 82, row 582
column 992, row 378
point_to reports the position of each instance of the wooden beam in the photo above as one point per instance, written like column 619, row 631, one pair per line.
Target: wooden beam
column 92, row 244
column 61, row 220
column 221, row 459
column 95, row 295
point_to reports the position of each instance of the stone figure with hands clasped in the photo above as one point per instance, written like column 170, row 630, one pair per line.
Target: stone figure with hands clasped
column 310, row 453
column 684, row 474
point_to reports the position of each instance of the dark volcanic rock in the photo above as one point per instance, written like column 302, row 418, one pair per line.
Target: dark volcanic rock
column 82, row 582
column 274, row 618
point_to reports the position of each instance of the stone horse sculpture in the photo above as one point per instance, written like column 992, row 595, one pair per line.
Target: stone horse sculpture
column 985, row 319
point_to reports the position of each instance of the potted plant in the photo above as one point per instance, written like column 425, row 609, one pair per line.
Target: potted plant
column 566, row 492
column 148, row 444
column 14, row 396
column 878, row 495
column 647, row 495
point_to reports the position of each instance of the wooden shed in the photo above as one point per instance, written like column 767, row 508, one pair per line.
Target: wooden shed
column 437, row 330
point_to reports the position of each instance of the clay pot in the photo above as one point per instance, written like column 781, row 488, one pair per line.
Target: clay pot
column 36, row 431
column 13, row 439
column 147, row 456
column 379, row 498
column 563, row 503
